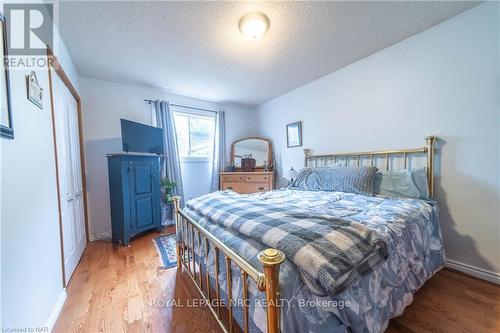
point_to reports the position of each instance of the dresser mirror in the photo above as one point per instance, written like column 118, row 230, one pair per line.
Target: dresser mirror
column 249, row 149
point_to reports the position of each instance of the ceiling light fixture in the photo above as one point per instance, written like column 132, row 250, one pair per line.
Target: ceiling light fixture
column 254, row 25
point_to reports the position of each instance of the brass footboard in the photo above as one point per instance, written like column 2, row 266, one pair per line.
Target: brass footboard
column 192, row 236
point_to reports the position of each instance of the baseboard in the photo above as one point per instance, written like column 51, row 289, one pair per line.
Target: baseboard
column 100, row 236
column 107, row 235
column 474, row 271
column 56, row 310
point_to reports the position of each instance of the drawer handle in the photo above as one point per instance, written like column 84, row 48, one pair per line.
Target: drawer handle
column 261, row 188
column 229, row 187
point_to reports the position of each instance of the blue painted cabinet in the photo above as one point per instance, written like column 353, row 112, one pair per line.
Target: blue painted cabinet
column 135, row 198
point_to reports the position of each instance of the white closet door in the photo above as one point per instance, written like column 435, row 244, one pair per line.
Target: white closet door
column 70, row 177
column 77, row 174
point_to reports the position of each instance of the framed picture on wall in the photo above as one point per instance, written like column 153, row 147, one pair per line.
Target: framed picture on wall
column 35, row 91
column 294, row 134
column 6, row 126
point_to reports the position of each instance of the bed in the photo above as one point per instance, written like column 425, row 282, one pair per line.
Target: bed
column 227, row 243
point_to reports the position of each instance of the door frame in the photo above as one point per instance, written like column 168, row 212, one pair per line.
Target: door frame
column 55, row 65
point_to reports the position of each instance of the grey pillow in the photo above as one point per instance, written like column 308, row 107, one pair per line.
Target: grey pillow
column 358, row 180
column 403, row 183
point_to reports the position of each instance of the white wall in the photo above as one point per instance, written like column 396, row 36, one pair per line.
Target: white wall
column 443, row 81
column 31, row 280
column 198, row 176
column 104, row 103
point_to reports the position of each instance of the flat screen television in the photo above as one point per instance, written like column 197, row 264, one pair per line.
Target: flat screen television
column 140, row 138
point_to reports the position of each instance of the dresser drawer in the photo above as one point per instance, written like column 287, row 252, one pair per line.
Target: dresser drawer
column 232, row 178
column 257, row 187
column 234, row 186
column 245, row 188
column 247, row 182
column 257, row 178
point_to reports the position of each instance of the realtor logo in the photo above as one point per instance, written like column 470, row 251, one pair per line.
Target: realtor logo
column 29, row 28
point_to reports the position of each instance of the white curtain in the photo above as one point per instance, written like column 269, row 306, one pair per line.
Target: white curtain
column 171, row 166
column 219, row 158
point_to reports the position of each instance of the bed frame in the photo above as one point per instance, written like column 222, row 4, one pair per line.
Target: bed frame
column 192, row 235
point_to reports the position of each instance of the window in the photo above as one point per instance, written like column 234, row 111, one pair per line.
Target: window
column 195, row 135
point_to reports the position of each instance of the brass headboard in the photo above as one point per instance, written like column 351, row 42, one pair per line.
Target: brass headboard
column 428, row 150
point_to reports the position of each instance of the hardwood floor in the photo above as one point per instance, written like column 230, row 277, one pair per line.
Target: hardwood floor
column 452, row 302
column 121, row 289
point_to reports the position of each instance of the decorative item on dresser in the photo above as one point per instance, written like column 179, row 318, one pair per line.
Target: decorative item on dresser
column 250, row 168
column 248, row 163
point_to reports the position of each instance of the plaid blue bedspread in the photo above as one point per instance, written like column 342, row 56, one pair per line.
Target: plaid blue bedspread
column 410, row 229
column 329, row 252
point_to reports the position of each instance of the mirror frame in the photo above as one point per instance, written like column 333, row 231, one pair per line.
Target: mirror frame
column 6, row 131
column 269, row 156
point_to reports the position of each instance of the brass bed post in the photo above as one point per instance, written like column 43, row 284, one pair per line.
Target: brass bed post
column 244, row 277
column 306, row 155
column 271, row 260
column 229, row 284
column 217, row 287
column 431, row 140
column 178, row 229
column 192, row 253
column 207, row 273
column 200, row 273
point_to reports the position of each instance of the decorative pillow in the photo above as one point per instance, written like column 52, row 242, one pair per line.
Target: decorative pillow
column 403, row 183
column 359, row 180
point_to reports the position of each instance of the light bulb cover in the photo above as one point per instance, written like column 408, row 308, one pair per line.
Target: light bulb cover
column 254, row 25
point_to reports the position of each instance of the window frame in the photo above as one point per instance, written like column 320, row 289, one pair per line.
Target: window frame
column 196, row 113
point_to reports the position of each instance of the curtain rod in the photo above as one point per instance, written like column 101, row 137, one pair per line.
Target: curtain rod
column 149, row 101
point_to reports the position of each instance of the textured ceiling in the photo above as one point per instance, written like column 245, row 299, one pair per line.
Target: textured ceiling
column 196, row 49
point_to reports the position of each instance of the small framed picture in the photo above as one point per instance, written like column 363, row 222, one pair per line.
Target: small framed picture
column 294, row 134
column 35, row 91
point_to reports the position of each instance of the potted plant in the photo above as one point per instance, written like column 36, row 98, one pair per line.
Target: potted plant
column 167, row 189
